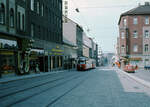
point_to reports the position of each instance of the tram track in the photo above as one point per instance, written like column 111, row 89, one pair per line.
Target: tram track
column 44, row 90
column 67, row 92
column 26, row 81
column 34, row 86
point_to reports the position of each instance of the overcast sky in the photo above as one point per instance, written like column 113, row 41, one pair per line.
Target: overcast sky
column 101, row 17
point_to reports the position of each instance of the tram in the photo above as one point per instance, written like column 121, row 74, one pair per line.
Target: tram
column 85, row 64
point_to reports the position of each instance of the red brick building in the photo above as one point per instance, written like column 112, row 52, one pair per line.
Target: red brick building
column 134, row 29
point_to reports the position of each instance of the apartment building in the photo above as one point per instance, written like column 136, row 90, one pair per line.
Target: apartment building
column 134, row 34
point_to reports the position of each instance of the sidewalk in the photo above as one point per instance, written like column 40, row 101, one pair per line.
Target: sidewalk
column 32, row 75
column 142, row 74
column 139, row 76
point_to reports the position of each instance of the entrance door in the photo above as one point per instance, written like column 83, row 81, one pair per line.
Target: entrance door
column 46, row 63
column 41, row 63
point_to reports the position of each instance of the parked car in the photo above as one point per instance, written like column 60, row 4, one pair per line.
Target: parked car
column 130, row 68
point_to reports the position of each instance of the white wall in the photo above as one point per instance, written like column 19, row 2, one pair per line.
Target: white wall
column 85, row 51
column 87, row 41
column 69, row 31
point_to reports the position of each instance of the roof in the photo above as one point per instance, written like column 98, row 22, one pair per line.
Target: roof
column 140, row 10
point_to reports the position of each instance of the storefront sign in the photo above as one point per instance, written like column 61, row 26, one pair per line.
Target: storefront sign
column 135, row 59
column 8, row 44
column 56, row 51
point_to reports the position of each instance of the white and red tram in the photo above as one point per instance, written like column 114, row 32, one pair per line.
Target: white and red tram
column 85, row 64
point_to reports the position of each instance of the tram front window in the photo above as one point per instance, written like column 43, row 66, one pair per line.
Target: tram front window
column 81, row 62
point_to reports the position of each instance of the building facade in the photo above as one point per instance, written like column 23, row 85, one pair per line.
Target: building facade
column 45, row 27
column 70, row 43
column 12, row 35
column 134, row 34
column 30, row 35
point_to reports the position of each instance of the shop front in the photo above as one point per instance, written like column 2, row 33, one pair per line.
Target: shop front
column 36, row 63
column 8, row 56
column 70, row 57
column 56, row 58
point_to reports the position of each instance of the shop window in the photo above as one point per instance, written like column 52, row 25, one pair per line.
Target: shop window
column 58, row 61
column 2, row 14
column 9, row 62
column 54, row 65
column 11, row 17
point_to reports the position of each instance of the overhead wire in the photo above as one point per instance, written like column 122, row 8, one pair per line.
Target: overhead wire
column 87, row 29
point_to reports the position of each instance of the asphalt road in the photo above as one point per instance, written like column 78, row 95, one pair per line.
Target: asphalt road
column 101, row 87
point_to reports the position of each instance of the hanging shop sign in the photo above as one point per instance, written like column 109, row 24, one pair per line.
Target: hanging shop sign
column 8, row 44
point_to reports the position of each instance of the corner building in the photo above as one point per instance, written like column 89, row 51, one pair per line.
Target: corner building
column 134, row 35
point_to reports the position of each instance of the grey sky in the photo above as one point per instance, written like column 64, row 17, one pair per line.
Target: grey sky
column 102, row 21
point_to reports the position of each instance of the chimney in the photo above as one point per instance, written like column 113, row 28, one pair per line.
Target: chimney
column 147, row 4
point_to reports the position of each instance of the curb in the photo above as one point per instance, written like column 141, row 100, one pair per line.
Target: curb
column 141, row 81
column 6, row 80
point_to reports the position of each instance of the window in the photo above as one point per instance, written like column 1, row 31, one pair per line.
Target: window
column 146, row 47
column 39, row 31
column 2, row 14
column 135, row 34
column 38, row 8
column 32, row 5
column 19, row 20
column 122, row 49
column 122, row 35
column 124, row 22
column 11, row 17
column 32, row 30
column 135, row 20
column 146, row 34
column 146, row 20
column 127, row 48
column 23, row 22
column 42, row 10
column 135, row 48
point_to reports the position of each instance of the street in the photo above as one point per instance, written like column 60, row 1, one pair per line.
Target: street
column 101, row 87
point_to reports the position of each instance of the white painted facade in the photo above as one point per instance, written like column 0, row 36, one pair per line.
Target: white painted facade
column 69, row 31
column 87, row 44
column 87, row 41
